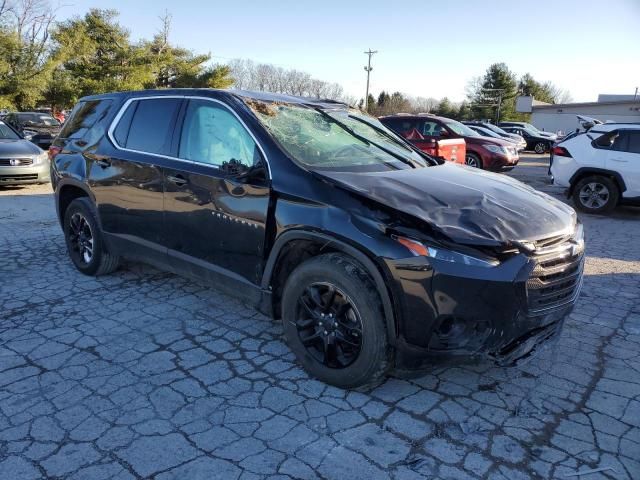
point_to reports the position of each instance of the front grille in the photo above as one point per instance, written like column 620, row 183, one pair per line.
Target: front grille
column 557, row 276
column 6, row 178
column 15, row 162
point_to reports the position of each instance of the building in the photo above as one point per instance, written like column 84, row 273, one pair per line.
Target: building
column 561, row 117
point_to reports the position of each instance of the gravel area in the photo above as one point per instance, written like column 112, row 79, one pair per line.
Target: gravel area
column 143, row 374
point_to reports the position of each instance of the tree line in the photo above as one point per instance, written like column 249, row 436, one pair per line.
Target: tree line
column 496, row 89
column 55, row 63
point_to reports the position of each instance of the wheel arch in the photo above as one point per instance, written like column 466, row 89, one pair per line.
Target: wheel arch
column 295, row 246
column 586, row 171
column 67, row 192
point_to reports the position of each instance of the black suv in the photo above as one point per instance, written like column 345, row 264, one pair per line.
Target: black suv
column 369, row 251
column 39, row 128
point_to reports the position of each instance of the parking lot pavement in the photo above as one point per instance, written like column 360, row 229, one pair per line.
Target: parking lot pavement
column 144, row 374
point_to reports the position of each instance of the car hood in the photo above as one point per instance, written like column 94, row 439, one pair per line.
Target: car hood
column 467, row 205
column 18, row 148
column 482, row 140
column 516, row 138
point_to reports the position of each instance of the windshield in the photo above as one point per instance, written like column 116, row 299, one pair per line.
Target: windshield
column 495, row 129
column 7, row 134
column 461, row 129
column 43, row 119
column 531, row 128
column 335, row 139
column 486, row 132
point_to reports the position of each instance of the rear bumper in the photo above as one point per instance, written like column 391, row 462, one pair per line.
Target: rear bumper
column 25, row 175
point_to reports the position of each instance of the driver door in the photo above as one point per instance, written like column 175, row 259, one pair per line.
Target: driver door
column 216, row 196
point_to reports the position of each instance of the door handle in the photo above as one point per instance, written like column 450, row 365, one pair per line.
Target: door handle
column 621, row 160
column 103, row 163
column 178, row 179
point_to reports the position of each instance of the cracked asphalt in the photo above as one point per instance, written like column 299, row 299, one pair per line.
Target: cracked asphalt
column 143, row 374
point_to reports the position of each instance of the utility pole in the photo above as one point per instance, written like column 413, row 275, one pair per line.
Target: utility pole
column 368, row 69
column 635, row 95
column 500, row 92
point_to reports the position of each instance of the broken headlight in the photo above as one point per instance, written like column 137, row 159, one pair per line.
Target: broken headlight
column 420, row 249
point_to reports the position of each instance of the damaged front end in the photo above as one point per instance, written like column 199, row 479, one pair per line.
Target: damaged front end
column 504, row 313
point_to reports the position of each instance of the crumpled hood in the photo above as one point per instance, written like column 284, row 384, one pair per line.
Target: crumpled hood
column 465, row 204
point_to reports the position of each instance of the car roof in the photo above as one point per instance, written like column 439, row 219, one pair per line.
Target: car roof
column 243, row 94
column 610, row 126
column 416, row 115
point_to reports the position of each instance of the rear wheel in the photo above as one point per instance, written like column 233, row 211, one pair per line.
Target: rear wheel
column 596, row 194
column 84, row 240
column 540, row 147
column 334, row 323
column 473, row 160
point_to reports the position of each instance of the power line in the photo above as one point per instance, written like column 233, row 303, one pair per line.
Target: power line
column 368, row 69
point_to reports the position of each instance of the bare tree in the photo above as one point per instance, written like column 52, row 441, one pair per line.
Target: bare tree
column 267, row 77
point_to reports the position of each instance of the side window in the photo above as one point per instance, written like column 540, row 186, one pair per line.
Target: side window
column 612, row 141
column 87, row 121
column 431, row 128
column 634, row 141
column 211, row 134
column 621, row 142
column 150, row 126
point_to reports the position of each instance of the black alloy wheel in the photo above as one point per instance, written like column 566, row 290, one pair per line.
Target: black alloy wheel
column 329, row 325
column 81, row 238
column 84, row 239
column 334, row 322
column 540, row 147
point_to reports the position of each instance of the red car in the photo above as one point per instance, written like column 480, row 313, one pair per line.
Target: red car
column 482, row 152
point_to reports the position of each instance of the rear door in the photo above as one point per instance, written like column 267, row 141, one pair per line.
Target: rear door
column 216, row 196
column 624, row 157
column 127, row 180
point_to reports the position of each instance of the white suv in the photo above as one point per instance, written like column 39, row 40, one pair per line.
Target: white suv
column 601, row 167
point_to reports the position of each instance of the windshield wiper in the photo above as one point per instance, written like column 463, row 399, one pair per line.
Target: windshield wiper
column 364, row 139
column 380, row 130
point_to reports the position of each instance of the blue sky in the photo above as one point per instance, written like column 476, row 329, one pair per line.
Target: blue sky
column 426, row 48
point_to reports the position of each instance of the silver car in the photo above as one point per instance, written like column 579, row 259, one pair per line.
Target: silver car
column 21, row 162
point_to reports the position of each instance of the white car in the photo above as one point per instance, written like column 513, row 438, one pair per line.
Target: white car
column 600, row 167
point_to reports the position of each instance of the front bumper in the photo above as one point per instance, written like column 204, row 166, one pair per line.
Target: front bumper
column 500, row 163
column 503, row 314
column 24, row 175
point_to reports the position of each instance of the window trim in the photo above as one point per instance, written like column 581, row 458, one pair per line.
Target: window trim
column 126, row 104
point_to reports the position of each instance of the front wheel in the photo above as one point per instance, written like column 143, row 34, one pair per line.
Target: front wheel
column 472, row 160
column 334, row 323
column 540, row 147
column 596, row 194
column 84, row 240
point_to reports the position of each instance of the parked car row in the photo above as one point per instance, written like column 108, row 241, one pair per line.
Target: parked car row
column 21, row 161
column 40, row 128
column 372, row 253
column 490, row 153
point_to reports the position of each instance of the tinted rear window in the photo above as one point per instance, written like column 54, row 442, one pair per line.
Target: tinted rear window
column 150, row 129
column 634, row 141
column 87, row 120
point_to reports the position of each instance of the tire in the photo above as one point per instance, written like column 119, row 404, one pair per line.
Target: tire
column 352, row 285
column 473, row 160
column 540, row 147
column 595, row 194
column 80, row 217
